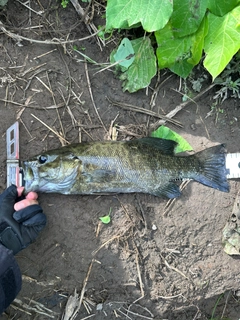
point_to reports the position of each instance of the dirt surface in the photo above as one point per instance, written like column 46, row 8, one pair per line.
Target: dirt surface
column 147, row 263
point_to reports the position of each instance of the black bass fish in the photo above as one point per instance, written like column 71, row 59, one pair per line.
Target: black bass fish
column 145, row 165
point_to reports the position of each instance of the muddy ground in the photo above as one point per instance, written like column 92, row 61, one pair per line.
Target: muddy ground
column 147, row 263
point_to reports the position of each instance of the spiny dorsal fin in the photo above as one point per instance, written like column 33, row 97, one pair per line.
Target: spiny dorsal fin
column 166, row 146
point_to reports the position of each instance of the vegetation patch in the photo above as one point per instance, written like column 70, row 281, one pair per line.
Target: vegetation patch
column 178, row 35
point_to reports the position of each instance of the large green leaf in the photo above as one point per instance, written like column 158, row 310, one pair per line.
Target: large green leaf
column 197, row 41
column 180, row 55
column 173, row 53
column 187, row 16
column 222, row 41
column 171, row 49
column 143, row 68
column 221, row 7
column 153, row 14
column 182, row 68
column 168, row 134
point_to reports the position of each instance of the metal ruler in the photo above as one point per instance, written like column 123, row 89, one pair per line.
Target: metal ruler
column 14, row 175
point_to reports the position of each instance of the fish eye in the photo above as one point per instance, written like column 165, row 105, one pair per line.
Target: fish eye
column 42, row 159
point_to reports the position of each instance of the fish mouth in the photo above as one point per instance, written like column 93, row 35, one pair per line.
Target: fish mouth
column 29, row 178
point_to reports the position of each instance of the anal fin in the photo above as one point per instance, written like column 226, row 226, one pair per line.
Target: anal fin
column 171, row 190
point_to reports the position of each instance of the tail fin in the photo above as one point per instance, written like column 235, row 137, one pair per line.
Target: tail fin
column 213, row 171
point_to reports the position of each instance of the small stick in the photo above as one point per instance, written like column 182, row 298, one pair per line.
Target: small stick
column 173, row 268
column 22, row 74
column 83, row 290
column 26, row 128
column 41, row 283
column 137, row 314
column 88, row 317
column 38, row 308
column 74, row 121
column 143, row 110
column 20, row 309
column 44, row 54
column 60, row 105
column 170, row 297
column 86, row 19
column 124, row 314
column 13, row 102
column 139, row 277
column 44, row 84
column 29, row 8
column 91, row 95
column 106, row 242
column 180, row 107
column 58, row 115
column 55, row 132
column 19, row 38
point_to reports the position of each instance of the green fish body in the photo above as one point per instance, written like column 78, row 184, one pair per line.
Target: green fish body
column 146, row 165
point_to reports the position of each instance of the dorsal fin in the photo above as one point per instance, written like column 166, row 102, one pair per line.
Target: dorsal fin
column 166, row 146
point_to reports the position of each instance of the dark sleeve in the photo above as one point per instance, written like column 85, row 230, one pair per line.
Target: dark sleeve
column 10, row 278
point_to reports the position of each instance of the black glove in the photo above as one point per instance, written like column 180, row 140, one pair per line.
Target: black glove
column 18, row 228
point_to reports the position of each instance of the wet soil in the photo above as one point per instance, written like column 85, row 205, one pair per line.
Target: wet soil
column 149, row 262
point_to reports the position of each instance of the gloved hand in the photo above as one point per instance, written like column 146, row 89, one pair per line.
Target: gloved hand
column 20, row 222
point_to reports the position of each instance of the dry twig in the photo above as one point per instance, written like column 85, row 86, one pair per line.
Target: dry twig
column 91, row 27
column 37, row 308
column 145, row 111
column 55, row 132
column 91, row 95
column 172, row 113
column 74, row 302
column 19, row 38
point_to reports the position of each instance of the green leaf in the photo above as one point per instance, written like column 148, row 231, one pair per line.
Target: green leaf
column 182, row 68
column 222, row 41
column 143, row 68
column 3, row 2
column 171, row 49
column 166, row 133
column 180, row 55
column 174, row 53
column 220, row 8
column 187, row 16
column 198, row 42
column 153, row 14
column 106, row 219
column 125, row 53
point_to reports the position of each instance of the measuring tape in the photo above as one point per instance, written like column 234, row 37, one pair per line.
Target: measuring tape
column 233, row 165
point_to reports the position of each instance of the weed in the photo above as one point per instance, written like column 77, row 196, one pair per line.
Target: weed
column 213, row 317
column 229, row 88
column 106, row 219
column 64, row 3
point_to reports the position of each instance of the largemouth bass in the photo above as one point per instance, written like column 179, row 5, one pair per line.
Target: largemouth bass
column 145, row 165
